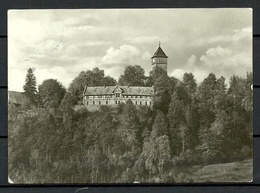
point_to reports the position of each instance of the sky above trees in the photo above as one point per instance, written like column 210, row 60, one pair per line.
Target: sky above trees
column 62, row 43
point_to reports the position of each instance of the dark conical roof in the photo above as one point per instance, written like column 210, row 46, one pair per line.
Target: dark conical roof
column 159, row 53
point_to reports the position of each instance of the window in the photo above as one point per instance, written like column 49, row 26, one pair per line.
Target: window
column 145, row 103
column 93, row 102
column 150, row 103
column 140, row 96
column 135, row 102
column 87, row 102
column 100, row 102
column 107, row 102
column 116, row 102
column 117, row 94
column 140, row 102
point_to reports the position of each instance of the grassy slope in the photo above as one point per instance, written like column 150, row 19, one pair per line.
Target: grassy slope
column 226, row 172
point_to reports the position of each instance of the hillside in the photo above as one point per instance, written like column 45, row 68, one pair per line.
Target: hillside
column 228, row 172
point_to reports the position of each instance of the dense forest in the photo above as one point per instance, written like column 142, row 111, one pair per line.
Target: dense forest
column 190, row 124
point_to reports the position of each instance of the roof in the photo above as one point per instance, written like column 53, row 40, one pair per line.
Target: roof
column 126, row 90
column 159, row 53
column 15, row 97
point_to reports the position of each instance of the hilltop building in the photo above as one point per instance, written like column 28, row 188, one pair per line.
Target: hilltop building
column 159, row 59
column 94, row 97
column 114, row 95
column 16, row 98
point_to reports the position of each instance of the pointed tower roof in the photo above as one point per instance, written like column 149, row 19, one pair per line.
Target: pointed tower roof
column 159, row 53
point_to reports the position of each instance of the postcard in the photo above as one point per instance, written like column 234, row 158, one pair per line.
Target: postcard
column 130, row 96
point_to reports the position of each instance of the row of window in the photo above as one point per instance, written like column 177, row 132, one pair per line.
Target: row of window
column 117, row 95
column 118, row 102
column 99, row 102
column 131, row 96
column 160, row 60
column 99, row 97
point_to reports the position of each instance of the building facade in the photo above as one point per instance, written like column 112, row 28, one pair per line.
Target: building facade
column 95, row 97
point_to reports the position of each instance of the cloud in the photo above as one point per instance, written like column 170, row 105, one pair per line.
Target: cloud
column 232, row 58
column 143, row 39
column 234, row 36
column 192, row 61
column 225, row 55
column 125, row 54
column 227, row 61
column 192, row 66
column 177, row 73
column 62, row 43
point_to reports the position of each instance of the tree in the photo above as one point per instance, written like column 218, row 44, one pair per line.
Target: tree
column 247, row 101
column 160, row 126
column 240, row 114
column 154, row 75
column 51, row 93
column 133, row 76
column 176, row 117
column 156, row 149
column 215, row 141
column 162, row 93
column 206, row 94
column 67, row 103
column 29, row 88
column 129, row 127
column 190, row 83
column 193, row 125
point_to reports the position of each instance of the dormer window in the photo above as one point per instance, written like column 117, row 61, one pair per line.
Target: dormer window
column 117, row 94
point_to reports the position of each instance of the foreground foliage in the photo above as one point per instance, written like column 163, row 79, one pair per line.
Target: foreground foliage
column 189, row 125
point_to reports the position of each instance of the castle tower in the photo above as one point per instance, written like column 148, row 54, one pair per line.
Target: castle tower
column 159, row 59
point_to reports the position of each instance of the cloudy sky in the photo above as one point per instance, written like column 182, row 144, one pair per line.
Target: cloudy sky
column 60, row 44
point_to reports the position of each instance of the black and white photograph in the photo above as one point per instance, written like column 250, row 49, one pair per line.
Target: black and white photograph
column 130, row 96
